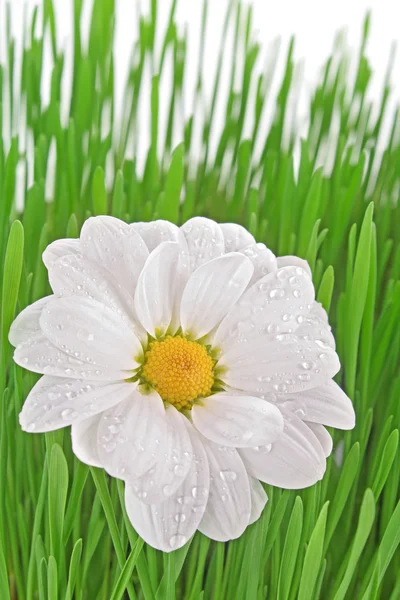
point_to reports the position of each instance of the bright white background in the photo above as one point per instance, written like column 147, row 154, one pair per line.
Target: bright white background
column 314, row 23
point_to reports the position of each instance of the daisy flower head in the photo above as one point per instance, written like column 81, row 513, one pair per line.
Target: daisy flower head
column 191, row 363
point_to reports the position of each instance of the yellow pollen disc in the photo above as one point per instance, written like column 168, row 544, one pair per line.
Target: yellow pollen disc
column 179, row 370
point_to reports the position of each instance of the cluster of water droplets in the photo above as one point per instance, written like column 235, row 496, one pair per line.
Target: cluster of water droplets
column 62, row 402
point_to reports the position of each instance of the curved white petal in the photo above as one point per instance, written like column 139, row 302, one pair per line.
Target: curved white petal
column 159, row 289
column 131, row 435
column 326, row 404
column 323, row 437
column 211, row 292
column 238, row 421
column 77, row 276
column 26, row 325
column 172, row 464
column 168, row 525
column 60, row 248
column 263, row 260
column 84, row 441
column 56, row 402
column 295, row 460
column 157, row 232
column 290, row 261
column 259, row 499
column 283, row 364
column 205, row 240
column 277, row 303
column 115, row 246
column 236, row 237
column 229, row 504
column 91, row 332
column 41, row 356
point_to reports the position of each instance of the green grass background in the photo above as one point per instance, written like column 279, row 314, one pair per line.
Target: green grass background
column 63, row 528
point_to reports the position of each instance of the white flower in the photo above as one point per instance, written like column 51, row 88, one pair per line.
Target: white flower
column 191, row 363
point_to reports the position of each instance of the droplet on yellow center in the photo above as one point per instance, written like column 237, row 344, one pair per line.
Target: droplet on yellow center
column 180, row 370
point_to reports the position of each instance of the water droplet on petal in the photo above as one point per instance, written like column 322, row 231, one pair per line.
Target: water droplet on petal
column 179, row 470
column 177, row 541
column 180, row 518
column 277, row 293
column 228, row 475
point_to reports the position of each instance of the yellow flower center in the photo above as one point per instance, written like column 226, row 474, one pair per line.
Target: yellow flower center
column 180, row 370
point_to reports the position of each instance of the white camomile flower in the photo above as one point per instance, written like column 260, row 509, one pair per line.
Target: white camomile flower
column 191, row 363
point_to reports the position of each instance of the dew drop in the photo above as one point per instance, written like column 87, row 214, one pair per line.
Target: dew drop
column 307, row 365
column 277, row 293
column 199, row 492
column 180, row 518
column 299, row 412
column 177, row 540
column 228, row 475
column 110, row 447
column 179, row 470
column 304, row 377
column 67, row 413
column 168, row 490
column 280, row 387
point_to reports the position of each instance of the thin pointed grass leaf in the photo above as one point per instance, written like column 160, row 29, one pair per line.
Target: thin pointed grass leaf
column 99, row 193
column 313, row 557
column 325, row 289
column 388, row 456
column 290, row 550
column 126, row 573
column 11, row 279
column 365, row 522
column 73, row 569
column 57, row 496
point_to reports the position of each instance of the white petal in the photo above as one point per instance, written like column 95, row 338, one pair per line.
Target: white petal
column 84, row 441
column 284, row 365
column 169, row 525
column 263, row 260
column 56, row 402
column 91, row 332
column 211, row 292
column 277, row 303
column 173, row 462
column 26, row 324
column 131, row 435
column 157, row 232
column 205, row 240
column 236, row 237
column 229, row 504
column 295, row 460
column 159, row 289
column 326, row 404
column 41, row 356
column 290, row 261
column 115, row 246
column 323, row 437
column 238, row 421
column 60, row 248
column 77, row 276
column 259, row 499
